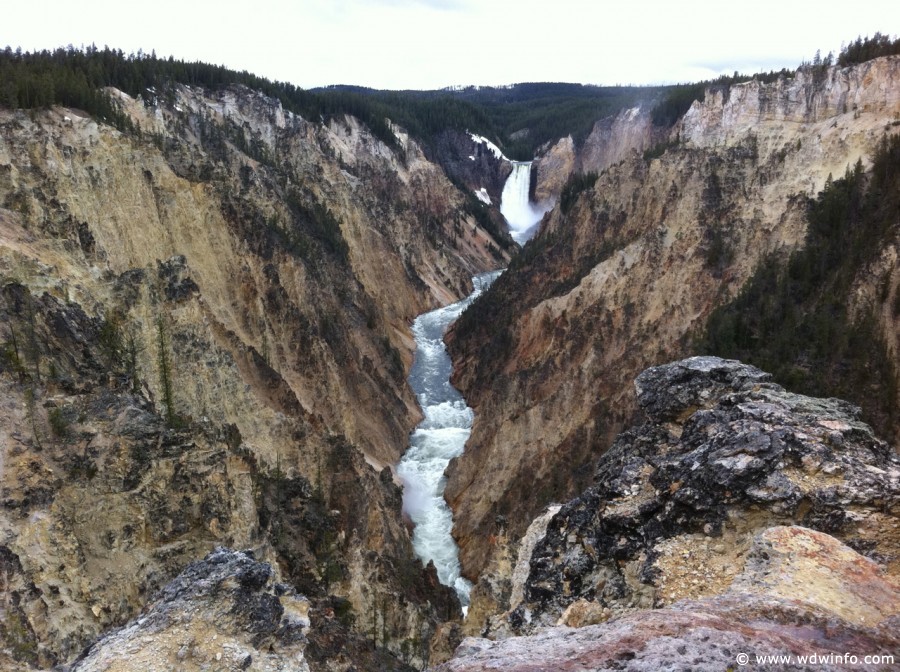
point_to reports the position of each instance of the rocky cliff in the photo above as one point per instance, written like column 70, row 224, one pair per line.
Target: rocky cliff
column 205, row 333
column 626, row 272
column 611, row 139
column 723, row 454
column 683, row 553
column 471, row 163
column 803, row 602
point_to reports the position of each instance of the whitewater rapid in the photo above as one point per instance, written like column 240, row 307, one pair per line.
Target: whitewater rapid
column 440, row 437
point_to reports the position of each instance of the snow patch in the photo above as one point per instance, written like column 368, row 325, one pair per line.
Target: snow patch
column 481, row 140
column 483, row 196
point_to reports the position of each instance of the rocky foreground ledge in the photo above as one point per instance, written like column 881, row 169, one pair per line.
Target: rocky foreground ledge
column 802, row 594
column 221, row 613
column 737, row 518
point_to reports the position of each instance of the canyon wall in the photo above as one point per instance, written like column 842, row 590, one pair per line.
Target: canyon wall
column 626, row 274
column 205, row 329
column 610, row 140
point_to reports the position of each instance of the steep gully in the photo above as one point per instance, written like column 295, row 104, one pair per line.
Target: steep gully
column 443, row 433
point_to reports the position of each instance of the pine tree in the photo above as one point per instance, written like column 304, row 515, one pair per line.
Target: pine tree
column 164, row 364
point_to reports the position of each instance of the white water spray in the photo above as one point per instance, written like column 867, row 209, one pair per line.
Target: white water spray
column 522, row 216
column 440, row 437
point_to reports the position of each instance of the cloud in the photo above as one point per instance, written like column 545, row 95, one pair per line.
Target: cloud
column 749, row 64
column 441, row 5
column 436, row 43
column 445, row 5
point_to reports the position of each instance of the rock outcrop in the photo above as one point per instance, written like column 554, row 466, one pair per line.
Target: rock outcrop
column 677, row 500
column 222, row 612
column 803, row 598
column 612, row 139
column 629, row 274
column 470, row 163
column 552, row 168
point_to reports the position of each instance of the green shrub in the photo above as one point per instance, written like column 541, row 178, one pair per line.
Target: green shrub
column 59, row 423
column 577, row 184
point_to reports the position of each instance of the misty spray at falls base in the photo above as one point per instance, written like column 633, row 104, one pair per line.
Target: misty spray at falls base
column 522, row 216
column 440, row 437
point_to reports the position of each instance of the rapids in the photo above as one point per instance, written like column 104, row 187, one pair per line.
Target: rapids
column 440, row 437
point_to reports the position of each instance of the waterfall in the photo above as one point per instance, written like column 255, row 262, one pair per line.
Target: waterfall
column 515, row 205
column 440, row 437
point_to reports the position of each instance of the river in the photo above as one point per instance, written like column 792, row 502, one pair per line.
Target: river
column 440, row 437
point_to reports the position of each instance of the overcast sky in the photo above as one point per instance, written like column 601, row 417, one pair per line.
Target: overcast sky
column 429, row 44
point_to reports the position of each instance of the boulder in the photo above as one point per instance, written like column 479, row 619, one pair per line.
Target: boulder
column 723, row 455
column 222, row 612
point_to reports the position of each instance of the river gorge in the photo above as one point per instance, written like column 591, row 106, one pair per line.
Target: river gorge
column 439, row 438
